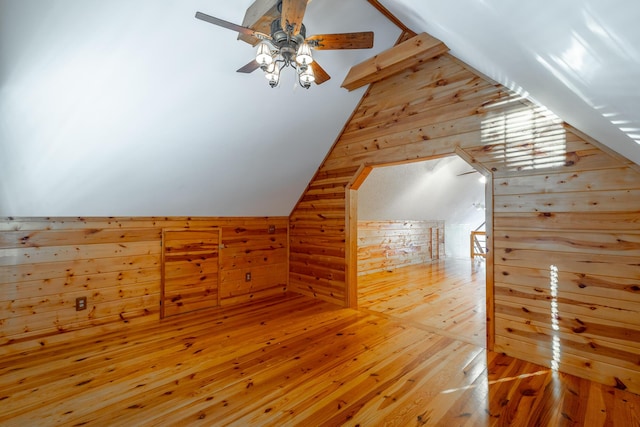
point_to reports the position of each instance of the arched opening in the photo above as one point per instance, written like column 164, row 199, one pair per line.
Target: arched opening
column 409, row 247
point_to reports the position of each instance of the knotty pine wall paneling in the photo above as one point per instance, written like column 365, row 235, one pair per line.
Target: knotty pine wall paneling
column 45, row 263
column 425, row 112
column 387, row 245
column 565, row 215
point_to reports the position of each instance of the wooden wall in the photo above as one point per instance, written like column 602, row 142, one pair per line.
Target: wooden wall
column 387, row 245
column 45, row 263
column 560, row 199
column 421, row 113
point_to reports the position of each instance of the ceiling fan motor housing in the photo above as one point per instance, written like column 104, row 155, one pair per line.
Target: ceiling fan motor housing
column 283, row 40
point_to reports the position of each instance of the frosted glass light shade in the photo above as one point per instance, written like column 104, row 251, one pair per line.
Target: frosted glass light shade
column 272, row 73
column 307, row 77
column 303, row 56
column 263, row 56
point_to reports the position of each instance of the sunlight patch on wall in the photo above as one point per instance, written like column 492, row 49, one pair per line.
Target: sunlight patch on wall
column 555, row 324
column 521, row 136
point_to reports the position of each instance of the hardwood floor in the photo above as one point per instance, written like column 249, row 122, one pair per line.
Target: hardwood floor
column 294, row 361
column 447, row 297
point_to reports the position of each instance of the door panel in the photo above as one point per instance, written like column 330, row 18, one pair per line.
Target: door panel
column 190, row 262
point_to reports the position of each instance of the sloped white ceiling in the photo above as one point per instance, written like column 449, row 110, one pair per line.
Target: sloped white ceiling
column 127, row 107
column 124, row 107
column 579, row 58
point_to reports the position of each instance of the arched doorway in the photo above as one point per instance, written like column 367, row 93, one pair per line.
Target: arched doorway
column 447, row 284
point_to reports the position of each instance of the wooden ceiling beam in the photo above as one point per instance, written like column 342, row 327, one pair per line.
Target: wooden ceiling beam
column 414, row 51
column 391, row 17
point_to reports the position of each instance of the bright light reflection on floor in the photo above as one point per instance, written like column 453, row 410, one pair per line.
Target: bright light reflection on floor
column 499, row 380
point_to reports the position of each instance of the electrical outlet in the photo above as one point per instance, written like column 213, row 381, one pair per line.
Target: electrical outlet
column 247, row 277
column 81, row 303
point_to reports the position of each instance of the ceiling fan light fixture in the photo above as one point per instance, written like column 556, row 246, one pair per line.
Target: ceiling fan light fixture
column 263, row 56
column 303, row 56
column 272, row 73
column 286, row 44
column 307, row 77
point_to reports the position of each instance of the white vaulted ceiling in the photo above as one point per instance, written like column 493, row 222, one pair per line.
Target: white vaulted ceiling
column 125, row 107
column 579, row 58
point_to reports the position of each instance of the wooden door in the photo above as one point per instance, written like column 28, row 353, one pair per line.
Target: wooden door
column 190, row 261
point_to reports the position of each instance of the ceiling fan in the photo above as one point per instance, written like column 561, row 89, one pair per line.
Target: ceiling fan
column 282, row 40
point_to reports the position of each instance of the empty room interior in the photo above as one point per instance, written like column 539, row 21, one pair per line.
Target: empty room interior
column 413, row 219
column 286, row 212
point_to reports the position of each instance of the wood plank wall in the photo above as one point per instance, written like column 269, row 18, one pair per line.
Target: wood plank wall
column 560, row 200
column 45, row 263
column 387, row 245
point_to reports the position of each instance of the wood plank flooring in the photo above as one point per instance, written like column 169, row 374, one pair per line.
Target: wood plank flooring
column 447, row 297
column 294, row 360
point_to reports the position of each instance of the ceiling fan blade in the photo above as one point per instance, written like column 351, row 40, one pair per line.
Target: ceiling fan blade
column 362, row 40
column 231, row 26
column 320, row 74
column 292, row 14
column 259, row 17
column 250, row 67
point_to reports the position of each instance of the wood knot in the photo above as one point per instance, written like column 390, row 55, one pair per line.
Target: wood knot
column 619, row 384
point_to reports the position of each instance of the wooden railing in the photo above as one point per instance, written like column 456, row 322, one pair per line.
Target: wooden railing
column 478, row 244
